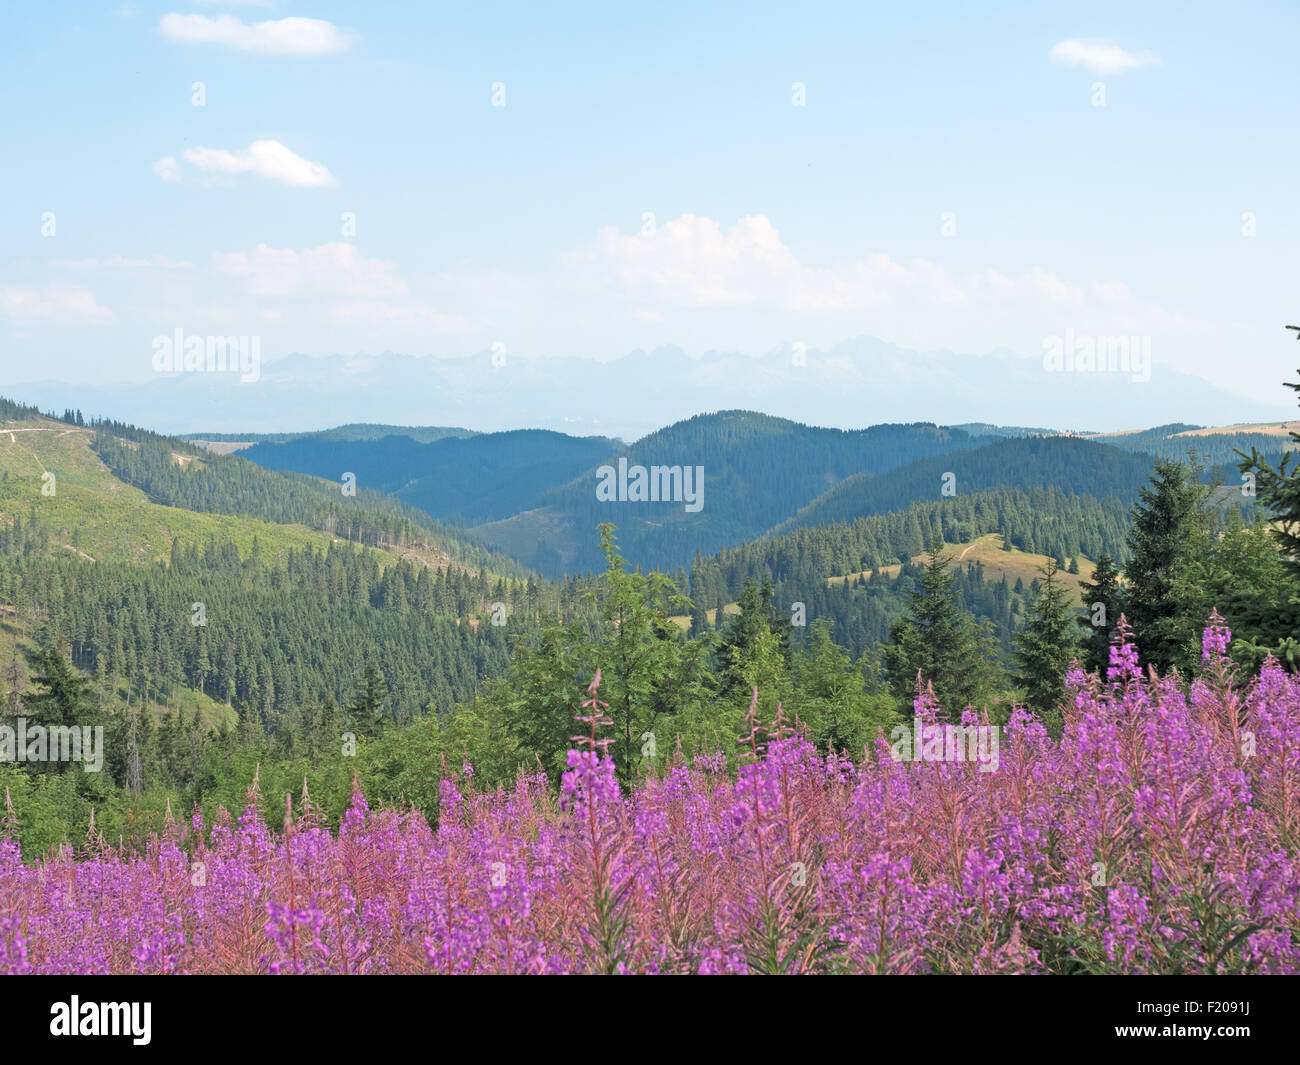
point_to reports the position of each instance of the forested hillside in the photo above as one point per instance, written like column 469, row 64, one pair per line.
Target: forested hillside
column 531, row 494
column 262, row 591
column 181, row 475
column 269, row 635
column 801, row 566
column 757, row 471
column 463, row 481
column 1044, row 521
column 1069, row 465
column 1186, row 442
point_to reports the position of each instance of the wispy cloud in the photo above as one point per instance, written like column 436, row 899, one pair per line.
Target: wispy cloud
column 286, row 36
column 265, row 159
column 57, row 303
column 122, row 262
column 1101, row 57
column 695, row 266
column 168, row 169
column 329, row 270
column 345, row 285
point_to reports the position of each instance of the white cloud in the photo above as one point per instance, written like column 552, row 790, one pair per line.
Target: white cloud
column 379, row 312
column 1101, row 57
column 334, row 282
column 736, row 277
column 167, row 169
column 59, row 303
column 691, row 261
column 120, row 262
column 329, row 270
column 286, row 36
column 266, row 159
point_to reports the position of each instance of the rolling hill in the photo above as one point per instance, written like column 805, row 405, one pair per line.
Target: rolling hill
column 463, row 480
column 757, row 471
column 531, row 494
column 1072, row 465
column 112, row 539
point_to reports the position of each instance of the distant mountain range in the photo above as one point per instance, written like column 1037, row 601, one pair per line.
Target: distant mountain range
column 857, row 383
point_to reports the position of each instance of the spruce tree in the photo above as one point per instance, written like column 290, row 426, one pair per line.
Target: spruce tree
column 699, row 619
column 756, row 635
column 1170, row 526
column 365, row 713
column 60, row 695
column 1045, row 647
column 1278, row 489
column 1102, row 605
column 941, row 641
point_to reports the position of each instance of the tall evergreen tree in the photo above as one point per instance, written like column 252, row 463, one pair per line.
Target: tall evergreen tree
column 650, row 670
column 1046, row 645
column 938, row 639
column 699, row 618
column 1102, row 606
column 1170, row 525
column 60, row 695
column 1278, row 489
column 365, row 713
column 755, row 646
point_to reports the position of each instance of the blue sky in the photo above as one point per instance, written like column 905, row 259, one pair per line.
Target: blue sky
column 525, row 225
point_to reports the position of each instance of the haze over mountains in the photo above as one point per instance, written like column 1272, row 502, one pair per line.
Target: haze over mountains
column 857, row 383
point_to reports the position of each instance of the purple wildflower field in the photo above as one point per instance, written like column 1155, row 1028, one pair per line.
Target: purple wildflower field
column 1158, row 835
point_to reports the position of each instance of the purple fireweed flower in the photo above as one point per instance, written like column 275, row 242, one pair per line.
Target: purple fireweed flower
column 1103, row 849
column 1215, row 638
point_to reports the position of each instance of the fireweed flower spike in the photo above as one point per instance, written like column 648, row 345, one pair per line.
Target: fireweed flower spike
column 595, row 719
column 1215, row 638
column 1159, row 833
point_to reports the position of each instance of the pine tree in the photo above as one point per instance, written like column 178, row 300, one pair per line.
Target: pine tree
column 365, row 713
column 1278, row 489
column 755, row 646
column 60, row 695
column 1244, row 577
column 699, row 619
column 650, row 670
column 134, row 776
column 1046, row 645
column 1102, row 605
column 1170, row 526
column 938, row 639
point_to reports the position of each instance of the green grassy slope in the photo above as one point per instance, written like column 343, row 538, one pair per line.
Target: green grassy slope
column 96, row 515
